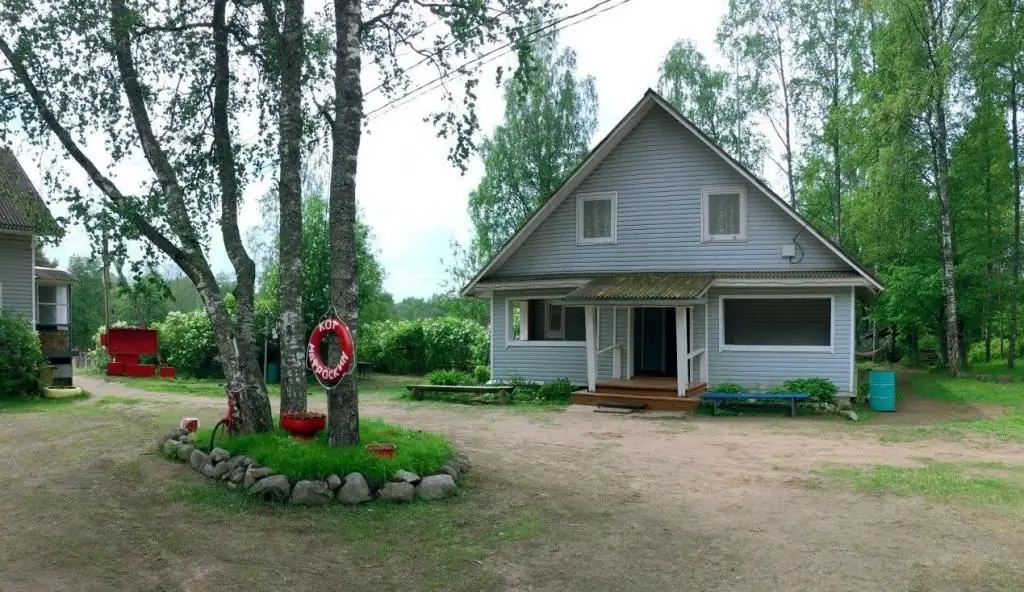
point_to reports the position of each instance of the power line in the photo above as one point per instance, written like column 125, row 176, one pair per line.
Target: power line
column 490, row 56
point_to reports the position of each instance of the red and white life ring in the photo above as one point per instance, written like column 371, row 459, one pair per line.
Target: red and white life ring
column 316, row 363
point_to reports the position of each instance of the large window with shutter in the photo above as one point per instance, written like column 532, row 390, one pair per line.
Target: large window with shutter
column 772, row 323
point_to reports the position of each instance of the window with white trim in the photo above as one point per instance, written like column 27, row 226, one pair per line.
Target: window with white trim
column 723, row 214
column 52, row 305
column 544, row 320
column 596, row 215
column 801, row 323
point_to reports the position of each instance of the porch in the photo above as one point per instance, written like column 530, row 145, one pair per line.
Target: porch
column 658, row 341
column 654, row 393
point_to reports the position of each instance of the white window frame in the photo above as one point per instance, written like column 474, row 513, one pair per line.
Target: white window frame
column 821, row 349
column 524, row 324
column 56, row 304
column 551, row 331
column 705, row 226
column 582, row 198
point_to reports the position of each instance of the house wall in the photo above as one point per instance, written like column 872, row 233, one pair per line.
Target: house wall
column 766, row 369
column 17, row 275
column 753, row 370
column 658, row 171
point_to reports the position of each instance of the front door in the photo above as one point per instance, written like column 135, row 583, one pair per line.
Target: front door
column 654, row 341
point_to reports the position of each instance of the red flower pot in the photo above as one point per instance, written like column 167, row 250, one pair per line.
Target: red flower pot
column 303, row 426
column 382, row 450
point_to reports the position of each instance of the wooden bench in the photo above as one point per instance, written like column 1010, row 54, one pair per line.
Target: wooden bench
column 362, row 368
column 504, row 392
column 718, row 398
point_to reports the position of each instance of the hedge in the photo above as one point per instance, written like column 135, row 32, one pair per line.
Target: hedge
column 421, row 346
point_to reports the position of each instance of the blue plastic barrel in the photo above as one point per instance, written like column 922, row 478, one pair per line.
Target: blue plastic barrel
column 882, row 390
column 273, row 373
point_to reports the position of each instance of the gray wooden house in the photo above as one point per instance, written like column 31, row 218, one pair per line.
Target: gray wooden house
column 662, row 265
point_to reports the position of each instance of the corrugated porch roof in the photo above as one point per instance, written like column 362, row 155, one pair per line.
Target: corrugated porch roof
column 649, row 286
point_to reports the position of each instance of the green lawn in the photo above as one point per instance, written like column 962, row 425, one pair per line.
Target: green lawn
column 374, row 384
column 989, row 484
column 933, row 385
column 33, row 404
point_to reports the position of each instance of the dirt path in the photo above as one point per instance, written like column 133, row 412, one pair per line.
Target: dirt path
column 697, row 504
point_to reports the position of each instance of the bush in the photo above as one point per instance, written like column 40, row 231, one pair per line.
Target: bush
column 420, row 346
column 822, row 390
column 21, row 356
column 728, row 387
column 482, row 374
column 555, row 391
column 450, row 378
column 188, row 344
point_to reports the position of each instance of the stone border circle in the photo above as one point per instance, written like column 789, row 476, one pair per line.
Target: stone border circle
column 243, row 474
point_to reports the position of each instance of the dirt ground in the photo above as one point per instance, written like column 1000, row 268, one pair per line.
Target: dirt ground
column 559, row 501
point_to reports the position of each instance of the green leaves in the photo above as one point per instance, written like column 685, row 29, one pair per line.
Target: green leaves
column 550, row 116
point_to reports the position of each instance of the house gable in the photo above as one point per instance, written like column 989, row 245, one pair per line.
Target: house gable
column 658, row 167
column 658, row 173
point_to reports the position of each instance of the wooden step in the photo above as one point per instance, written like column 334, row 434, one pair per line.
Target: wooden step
column 655, row 403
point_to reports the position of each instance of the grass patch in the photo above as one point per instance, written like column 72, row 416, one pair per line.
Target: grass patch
column 112, row 400
column 1009, row 427
column 967, row 390
column 417, row 451
column 981, row 484
column 35, row 404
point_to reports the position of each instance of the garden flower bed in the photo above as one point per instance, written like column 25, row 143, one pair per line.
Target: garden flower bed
column 275, row 467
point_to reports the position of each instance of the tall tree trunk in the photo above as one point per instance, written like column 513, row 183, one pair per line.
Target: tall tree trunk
column 1011, row 354
column 837, row 171
column 343, row 398
column 946, row 229
column 289, row 190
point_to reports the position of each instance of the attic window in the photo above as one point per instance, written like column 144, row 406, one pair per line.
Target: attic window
column 723, row 214
column 596, row 218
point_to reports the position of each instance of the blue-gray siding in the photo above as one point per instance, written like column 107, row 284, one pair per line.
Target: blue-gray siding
column 658, row 171
column 765, row 369
column 17, row 277
column 753, row 370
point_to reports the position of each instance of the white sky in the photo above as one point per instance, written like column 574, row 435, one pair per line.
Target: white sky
column 410, row 195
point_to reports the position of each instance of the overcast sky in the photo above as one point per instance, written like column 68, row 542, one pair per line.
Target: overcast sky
column 413, row 199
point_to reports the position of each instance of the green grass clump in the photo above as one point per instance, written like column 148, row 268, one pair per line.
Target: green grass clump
column 982, row 484
column 416, row 451
column 34, row 404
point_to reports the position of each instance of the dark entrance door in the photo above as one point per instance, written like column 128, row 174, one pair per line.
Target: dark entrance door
column 654, row 341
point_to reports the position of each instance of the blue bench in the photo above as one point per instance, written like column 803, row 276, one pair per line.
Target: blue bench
column 718, row 398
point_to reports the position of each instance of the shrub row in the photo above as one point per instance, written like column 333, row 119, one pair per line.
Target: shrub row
column 822, row 390
column 425, row 345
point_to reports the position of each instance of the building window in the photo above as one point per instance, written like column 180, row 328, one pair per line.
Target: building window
column 596, row 218
column 801, row 323
column 539, row 321
column 52, row 305
column 723, row 214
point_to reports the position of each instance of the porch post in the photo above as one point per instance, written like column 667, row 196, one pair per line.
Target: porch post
column 682, row 364
column 616, row 352
column 629, row 342
column 590, row 318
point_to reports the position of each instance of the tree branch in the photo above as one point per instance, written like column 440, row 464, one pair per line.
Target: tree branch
column 388, row 13
column 98, row 179
column 224, row 151
column 178, row 217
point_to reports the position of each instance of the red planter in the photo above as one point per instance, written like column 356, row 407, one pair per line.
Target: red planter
column 303, row 426
column 382, row 450
column 167, row 372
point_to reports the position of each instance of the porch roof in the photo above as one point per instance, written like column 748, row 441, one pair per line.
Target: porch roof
column 648, row 286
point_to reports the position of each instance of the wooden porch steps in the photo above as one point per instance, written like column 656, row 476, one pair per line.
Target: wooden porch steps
column 656, row 395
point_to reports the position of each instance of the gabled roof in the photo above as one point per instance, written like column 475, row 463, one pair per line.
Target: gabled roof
column 651, row 100
column 21, row 207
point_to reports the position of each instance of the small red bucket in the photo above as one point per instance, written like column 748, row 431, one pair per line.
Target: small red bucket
column 382, row 450
column 190, row 424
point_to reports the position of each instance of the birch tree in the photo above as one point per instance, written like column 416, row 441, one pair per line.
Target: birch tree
column 109, row 83
column 381, row 33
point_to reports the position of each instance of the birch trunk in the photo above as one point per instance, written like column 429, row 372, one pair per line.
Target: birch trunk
column 1011, row 354
column 950, row 320
column 293, row 327
column 343, row 398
